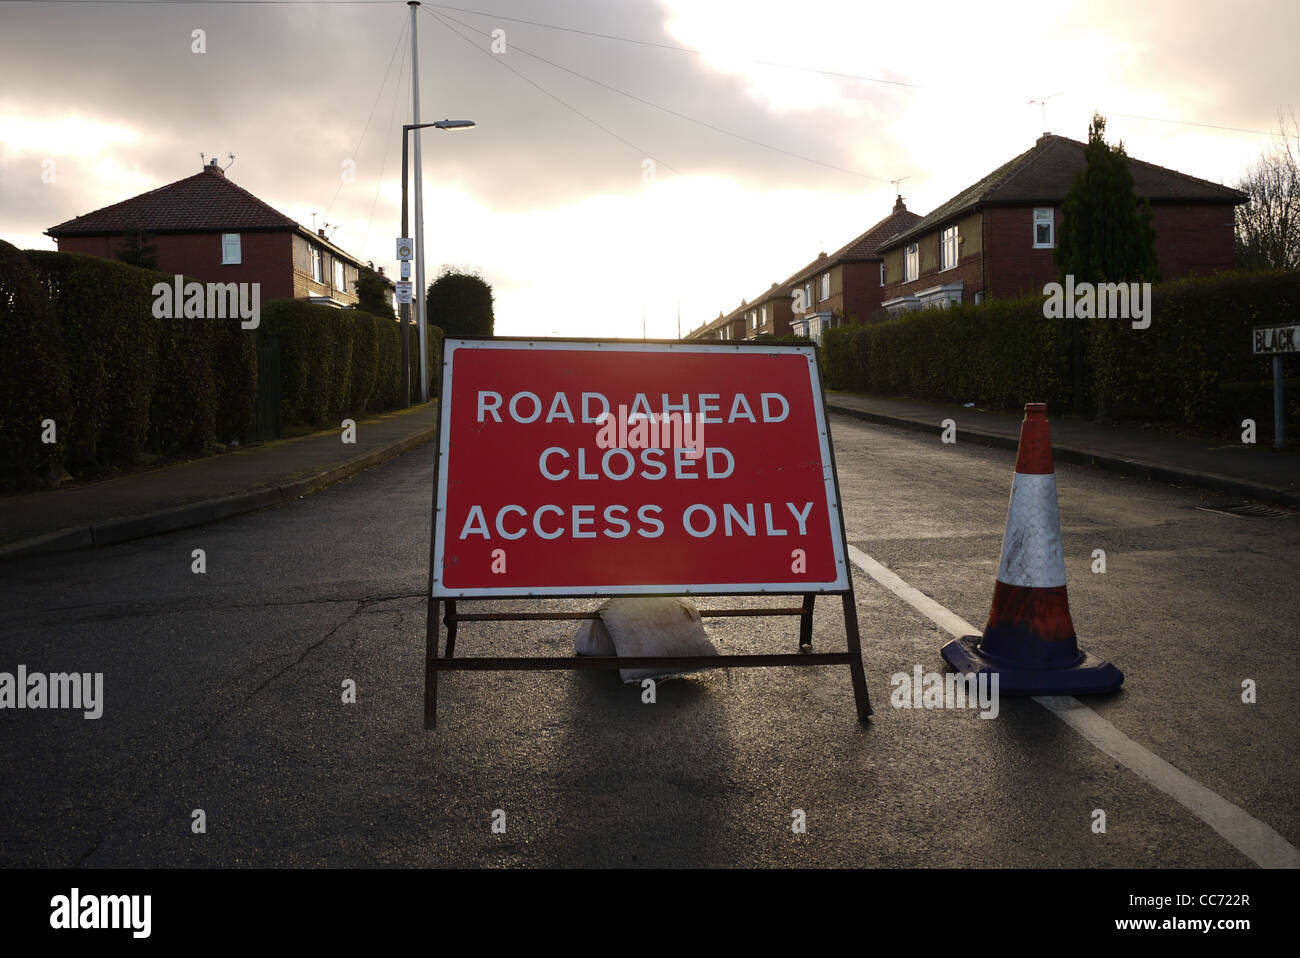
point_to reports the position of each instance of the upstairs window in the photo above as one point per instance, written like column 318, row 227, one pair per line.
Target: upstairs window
column 315, row 264
column 1044, row 228
column 807, row 297
column 826, row 286
column 339, row 276
column 911, row 264
column 231, row 254
column 882, row 272
column 948, row 248
column 763, row 316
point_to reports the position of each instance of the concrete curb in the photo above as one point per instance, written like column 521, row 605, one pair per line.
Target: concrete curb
column 1080, row 457
column 208, row 510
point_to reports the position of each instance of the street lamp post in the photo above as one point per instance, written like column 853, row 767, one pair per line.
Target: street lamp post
column 418, row 279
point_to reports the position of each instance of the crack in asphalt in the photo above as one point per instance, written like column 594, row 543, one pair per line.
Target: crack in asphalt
column 202, row 737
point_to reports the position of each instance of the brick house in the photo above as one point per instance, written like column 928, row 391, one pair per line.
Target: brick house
column 209, row 229
column 996, row 238
column 725, row 328
column 847, row 286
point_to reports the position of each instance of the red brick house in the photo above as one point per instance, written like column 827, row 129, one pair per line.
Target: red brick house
column 726, row 328
column 209, row 229
column 996, row 238
column 847, row 286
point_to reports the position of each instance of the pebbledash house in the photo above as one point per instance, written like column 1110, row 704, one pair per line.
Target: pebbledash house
column 997, row 237
column 207, row 228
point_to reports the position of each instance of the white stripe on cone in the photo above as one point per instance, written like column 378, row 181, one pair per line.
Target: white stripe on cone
column 1031, row 548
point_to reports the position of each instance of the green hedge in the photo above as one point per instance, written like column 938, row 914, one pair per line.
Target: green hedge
column 435, row 337
column 334, row 363
column 1194, row 363
column 1003, row 353
column 34, row 386
column 82, row 347
column 1191, row 365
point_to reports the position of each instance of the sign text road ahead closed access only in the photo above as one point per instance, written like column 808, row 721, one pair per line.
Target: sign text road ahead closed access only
column 603, row 468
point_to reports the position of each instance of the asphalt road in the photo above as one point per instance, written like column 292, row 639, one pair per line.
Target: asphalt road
column 223, row 693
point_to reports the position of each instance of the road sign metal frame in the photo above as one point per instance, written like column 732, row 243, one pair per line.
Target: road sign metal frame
column 446, row 661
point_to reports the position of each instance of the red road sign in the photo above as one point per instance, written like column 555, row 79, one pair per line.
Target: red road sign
column 607, row 468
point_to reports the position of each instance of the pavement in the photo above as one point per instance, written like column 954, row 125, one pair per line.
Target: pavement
column 205, row 490
column 258, row 477
column 1255, row 471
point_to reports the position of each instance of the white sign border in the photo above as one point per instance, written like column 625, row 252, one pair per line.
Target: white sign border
column 840, row 584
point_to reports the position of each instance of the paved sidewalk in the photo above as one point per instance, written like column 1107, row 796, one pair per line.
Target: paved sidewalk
column 204, row 490
column 1234, row 469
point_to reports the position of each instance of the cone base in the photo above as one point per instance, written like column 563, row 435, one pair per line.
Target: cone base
column 1091, row 676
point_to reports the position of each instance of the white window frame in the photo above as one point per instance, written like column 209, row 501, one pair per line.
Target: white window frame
column 882, row 272
column 826, row 286
column 762, row 316
column 1045, row 216
column 808, row 301
column 314, row 252
column 340, row 276
column 232, row 252
column 948, row 242
column 911, row 263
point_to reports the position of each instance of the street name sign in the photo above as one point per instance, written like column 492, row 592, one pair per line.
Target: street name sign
column 1272, row 340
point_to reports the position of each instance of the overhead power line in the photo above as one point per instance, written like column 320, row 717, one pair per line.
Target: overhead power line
column 564, row 103
column 671, row 46
column 650, row 103
column 369, row 116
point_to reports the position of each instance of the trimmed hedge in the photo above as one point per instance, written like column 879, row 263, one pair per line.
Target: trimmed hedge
column 1192, row 365
column 1002, row 353
column 435, row 337
column 34, row 386
column 336, row 363
column 83, row 348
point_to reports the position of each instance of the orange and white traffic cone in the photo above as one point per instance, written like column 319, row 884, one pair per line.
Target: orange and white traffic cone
column 1029, row 639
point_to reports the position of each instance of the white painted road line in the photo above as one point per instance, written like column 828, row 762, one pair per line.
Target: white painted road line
column 1254, row 839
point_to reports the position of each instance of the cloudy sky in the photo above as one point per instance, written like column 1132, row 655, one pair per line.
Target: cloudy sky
column 631, row 156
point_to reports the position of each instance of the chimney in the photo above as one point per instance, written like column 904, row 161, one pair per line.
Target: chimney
column 213, row 168
column 321, row 232
column 899, row 205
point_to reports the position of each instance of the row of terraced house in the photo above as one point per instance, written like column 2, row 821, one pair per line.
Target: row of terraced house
column 995, row 238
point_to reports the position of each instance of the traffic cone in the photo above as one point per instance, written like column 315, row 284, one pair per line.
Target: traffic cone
column 1029, row 639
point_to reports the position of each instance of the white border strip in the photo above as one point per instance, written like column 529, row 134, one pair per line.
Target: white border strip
column 1254, row 839
column 791, row 587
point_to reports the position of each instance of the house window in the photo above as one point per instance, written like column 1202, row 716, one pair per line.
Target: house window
column 807, row 297
column 763, row 316
column 948, row 248
column 231, row 254
column 1044, row 228
column 882, row 272
column 911, row 264
column 826, row 286
column 315, row 264
column 339, row 276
